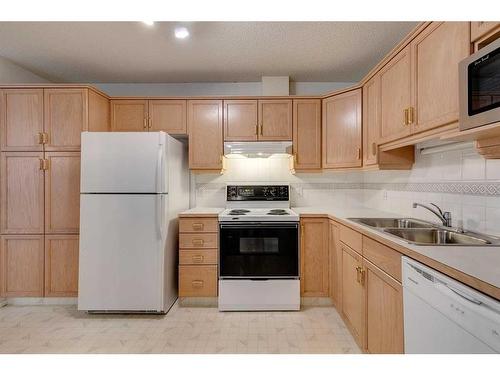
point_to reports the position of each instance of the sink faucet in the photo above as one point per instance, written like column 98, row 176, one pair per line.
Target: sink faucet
column 445, row 217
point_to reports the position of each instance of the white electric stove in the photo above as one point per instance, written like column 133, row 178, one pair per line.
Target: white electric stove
column 259, row 250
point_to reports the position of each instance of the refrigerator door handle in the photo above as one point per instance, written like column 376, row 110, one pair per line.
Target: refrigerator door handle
column 160, row 171
column 160, row 215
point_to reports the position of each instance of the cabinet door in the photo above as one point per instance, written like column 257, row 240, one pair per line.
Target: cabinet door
column 129, row 115
column 307, row 133
column 353, row 293
column 480, row 28
column 168, row 116
column 342, row 130
column 436, row 53
column 240, row 120
column 22, row 193
column 371, row 120
column 62, row 192
column 65, row 116
column 314, row 262
column 21, row 259
column 205, row 134
column 335, row 250
column 21, row 119
column 384, row 312
column 275, row 120
column 395, row 96
column 61, row 266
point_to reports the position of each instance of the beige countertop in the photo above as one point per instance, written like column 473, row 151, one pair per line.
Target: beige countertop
column 482, row 263
column 202, row 211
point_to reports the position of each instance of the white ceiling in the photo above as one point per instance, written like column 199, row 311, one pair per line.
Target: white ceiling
column 215, row 51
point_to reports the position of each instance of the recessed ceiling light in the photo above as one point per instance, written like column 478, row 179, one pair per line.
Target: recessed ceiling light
column 148, row 23
column 181, row 32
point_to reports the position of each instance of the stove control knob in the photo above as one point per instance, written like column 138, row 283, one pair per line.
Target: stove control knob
column 232, row 192
column 283, row 191
column 271, row 192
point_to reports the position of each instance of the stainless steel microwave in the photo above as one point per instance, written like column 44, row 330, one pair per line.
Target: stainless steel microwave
column 479, row 85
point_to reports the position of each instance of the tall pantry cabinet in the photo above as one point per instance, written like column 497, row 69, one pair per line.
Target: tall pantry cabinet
column 40, row 186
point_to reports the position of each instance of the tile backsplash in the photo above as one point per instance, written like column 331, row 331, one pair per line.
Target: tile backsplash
column 461, row 182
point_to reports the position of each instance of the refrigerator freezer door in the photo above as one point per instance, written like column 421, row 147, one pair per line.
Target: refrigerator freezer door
column 132, row 162
column 121, row 252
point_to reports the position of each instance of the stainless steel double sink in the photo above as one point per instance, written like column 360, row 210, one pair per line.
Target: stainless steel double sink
column 419, row 232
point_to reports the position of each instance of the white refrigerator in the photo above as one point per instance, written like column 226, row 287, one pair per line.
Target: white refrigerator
column 133, row 186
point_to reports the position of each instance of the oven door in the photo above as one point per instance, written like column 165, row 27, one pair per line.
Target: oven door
column 259, row 250
column 480, row 87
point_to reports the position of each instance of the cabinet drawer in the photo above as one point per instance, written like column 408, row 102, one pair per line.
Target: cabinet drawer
column 351, row 238
column 198, row 240
column 383, row 257
column 197, row 281
column 198, row 224
column 197, row 256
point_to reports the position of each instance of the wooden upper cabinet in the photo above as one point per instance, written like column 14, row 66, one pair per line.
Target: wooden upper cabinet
column 240, row 120
column 65, row 117
column 436, row 53
column 21, row 119
column 205, row 134
column 342, row 130
column 395, row 96
column 314, row 262
column 61, row 265
column 307, row 134
column 481, row 28
column 22, row 191
column 353, row 304
column 99, row 113
column 168, row 116
column 275, row 120
column 21, row 265
column 62, row 192
column 384, row 312
column 129, row 115
column 371, row 120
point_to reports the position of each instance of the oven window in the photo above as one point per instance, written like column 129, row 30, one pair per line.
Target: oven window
column 257, row 251
column 484, row 83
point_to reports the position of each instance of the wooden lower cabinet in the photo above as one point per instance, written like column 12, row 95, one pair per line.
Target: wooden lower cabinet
column 21, row 265
column 335, row 250
column 198, row 256
column 384, row 311
column 353, row 294
column 198, row 281
column 61, row 265
column 314, row 262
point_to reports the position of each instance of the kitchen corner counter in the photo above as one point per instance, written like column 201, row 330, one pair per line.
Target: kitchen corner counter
column 202, row 212
column 476, row 266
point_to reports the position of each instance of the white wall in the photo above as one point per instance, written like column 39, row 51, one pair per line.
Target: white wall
column 12, row 73
column 213, row 88
column 458, row 181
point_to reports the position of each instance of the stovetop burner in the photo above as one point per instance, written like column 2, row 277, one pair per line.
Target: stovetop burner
column 277, row 211
column 238, row 211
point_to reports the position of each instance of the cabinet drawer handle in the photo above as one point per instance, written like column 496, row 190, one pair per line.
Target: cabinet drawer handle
column 198, row 242
column 197, row 283
column 198, row 226
column 197, row 258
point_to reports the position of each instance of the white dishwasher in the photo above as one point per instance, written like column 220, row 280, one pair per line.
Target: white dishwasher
column 442, row 315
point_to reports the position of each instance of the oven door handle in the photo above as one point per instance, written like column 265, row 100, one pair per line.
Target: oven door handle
column 262, row 226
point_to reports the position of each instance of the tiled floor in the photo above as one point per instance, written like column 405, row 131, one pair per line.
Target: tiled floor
column 63, row 329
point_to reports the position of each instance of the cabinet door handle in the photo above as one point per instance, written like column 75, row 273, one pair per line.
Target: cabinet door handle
column 410, row 115
column 198, row 226
column 405, row 116
column 40, row 166
column 198, row 242
column 145, row 124
column 261, row 129
column 359, row 153
column 197, row 258
column 197, row 283
column 374, row 148
column 44, row 164
column 40, row 138
column 150, row 122
column 362, row 276
column 257, row 129
column 358, row 274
